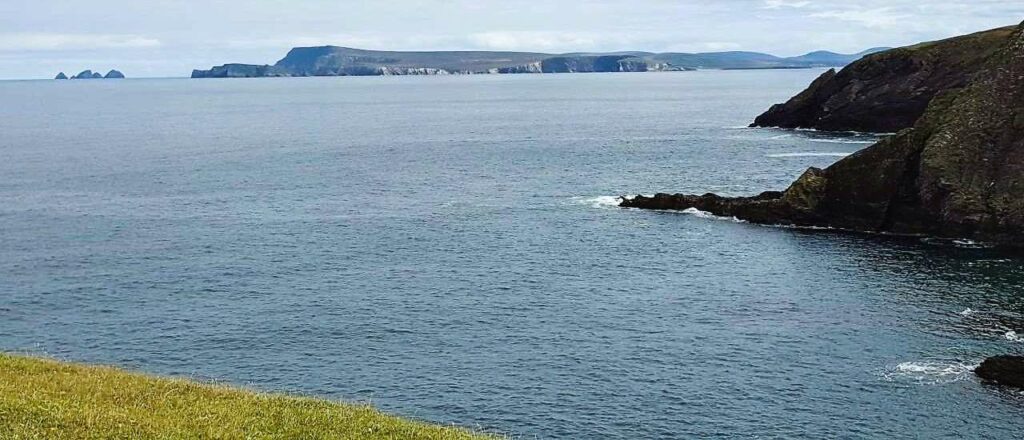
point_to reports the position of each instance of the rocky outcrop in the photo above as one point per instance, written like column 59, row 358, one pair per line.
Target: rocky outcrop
column 958, row 172
column 89, row 74
column 888, row 91
column 85, row 74
column 1002, row 370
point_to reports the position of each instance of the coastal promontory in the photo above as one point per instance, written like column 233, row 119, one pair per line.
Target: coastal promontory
column 957, row 171
column 887, row 91
column 346, row 61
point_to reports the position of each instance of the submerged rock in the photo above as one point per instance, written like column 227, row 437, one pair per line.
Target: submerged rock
column 958, row 173
column 888, row 91
column 61, row 76
column 1003, row 370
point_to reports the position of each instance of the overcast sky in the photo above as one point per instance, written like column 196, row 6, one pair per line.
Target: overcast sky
column 38, row 38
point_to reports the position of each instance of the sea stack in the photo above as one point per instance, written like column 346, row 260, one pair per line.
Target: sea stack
column 957, row 172
column 114, row 74
column 61, row 76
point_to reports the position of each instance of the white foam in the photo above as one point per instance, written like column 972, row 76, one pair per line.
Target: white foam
column 932, row 372
column 1013, row 336
column 844, row 141
column 704, row 214
column 970, row 244
column 809, row 154
column 967, row 312
column 602, row 201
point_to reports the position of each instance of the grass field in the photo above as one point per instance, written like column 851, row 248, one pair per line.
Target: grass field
column 46, row 399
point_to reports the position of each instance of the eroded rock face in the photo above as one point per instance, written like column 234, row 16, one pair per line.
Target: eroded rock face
column 1003, row 370
column 239, row 71
column 958, row 173
column 887, row 91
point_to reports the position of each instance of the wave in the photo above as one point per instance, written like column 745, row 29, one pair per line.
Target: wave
column 809, row 154
column 601, row 201
column 843, row 141
column 850, row 132
column 707, row 215
column 932, row 372
column 956, row 242
column 1013, row 336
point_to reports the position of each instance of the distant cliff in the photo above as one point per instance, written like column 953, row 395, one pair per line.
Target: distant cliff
column 343, row 61
column 958, row 172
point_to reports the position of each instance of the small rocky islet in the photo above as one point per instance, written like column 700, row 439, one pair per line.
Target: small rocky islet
column 89, row 74
column 954, row 167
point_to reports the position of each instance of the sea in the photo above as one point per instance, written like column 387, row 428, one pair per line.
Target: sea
column 450, row 249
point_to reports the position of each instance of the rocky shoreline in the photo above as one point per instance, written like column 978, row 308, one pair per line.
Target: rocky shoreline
column 954, row 169
column 957, row 172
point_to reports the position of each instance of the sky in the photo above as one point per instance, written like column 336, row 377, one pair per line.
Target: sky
column 165, row 38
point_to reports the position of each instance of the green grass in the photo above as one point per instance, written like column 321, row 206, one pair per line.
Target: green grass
column 46, row 399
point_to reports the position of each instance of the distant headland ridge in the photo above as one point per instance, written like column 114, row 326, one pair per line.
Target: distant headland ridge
column 344, row 61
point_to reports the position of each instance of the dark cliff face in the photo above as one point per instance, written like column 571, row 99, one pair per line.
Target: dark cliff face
column 959, row 172
column 887, row 91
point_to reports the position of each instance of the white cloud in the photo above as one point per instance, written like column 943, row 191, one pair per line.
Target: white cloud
column 51, row 41
column 873, row 18
column 779, row 4
column 533, row 40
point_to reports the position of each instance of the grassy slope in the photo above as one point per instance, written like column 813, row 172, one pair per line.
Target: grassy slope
column 54, row 400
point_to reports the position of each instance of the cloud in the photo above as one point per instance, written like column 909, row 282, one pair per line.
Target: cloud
column 872, row 18
column 52, row 41
column 534, row 40
column 779, row 4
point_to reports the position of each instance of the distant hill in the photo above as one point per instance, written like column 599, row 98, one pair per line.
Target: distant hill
column 344, row 61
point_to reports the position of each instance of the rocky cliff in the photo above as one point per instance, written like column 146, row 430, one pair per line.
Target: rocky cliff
column 592, row 63
column 958, row 172
column 888, row 91
column 239, row 71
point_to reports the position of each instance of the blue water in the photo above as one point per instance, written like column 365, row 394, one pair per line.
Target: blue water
column 447, row 248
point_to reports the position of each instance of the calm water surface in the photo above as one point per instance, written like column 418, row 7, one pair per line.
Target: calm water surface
column 447, row 249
